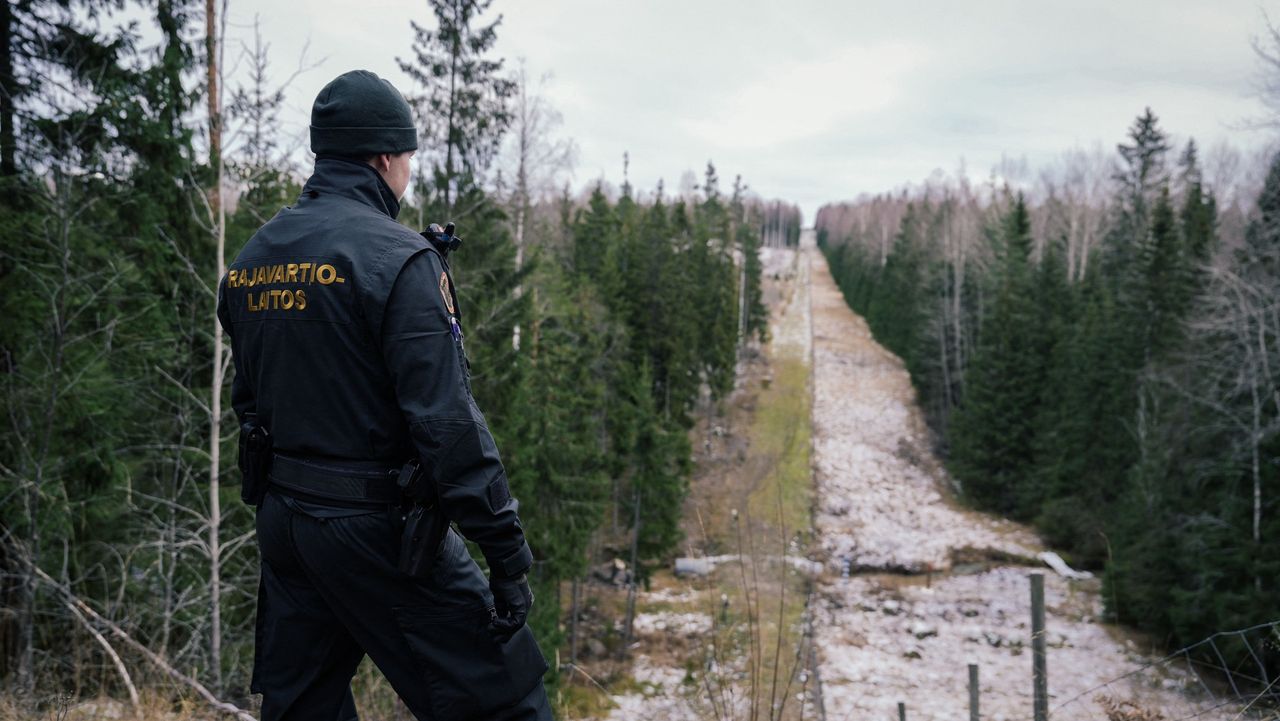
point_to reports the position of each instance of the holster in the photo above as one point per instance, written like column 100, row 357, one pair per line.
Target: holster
column 254, row 460
column 425, row 525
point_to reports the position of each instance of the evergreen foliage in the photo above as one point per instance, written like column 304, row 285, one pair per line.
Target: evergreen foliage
column 465, row 106
column 992, row 435
column 1131, row 411
column 631, row 311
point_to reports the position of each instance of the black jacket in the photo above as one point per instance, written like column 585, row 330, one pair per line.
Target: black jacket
column 347, row 344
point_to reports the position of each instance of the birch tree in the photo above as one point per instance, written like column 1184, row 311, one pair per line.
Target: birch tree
column 537, row 159
column 214, row 45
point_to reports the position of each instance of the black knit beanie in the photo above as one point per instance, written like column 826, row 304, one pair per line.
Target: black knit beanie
column 359, row 114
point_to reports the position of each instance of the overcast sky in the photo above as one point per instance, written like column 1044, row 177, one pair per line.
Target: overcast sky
column 815, row 101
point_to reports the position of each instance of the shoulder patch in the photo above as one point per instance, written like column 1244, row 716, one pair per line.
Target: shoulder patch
column 446, row 291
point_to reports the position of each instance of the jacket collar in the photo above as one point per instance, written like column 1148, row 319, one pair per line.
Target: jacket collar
column 351, row 179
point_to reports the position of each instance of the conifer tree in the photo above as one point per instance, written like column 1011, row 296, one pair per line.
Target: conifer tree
column 595, row 234
column 558, row 462
column 1164, row 278
column 1140, row 176
column 1198, row 220
column 993, row 430
column 465, row 106
column 1084, row 459
column 486, row 273
column 895, row 309
column 755, row 318
column 114, row 322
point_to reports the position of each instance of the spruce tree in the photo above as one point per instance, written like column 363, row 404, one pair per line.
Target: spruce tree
column 752, row 318
column 485, row 271
column 1140, row 176
column 101, row 323
column 992, row 432
column 558, row 464
column 1164, row 278
column 895, row 310
column 1084, row 446
column 465, row 105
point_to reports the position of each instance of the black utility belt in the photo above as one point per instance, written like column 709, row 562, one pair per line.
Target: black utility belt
column 359, row 482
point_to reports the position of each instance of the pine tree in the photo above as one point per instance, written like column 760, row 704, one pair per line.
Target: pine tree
column 465, row 106
column 713, row 288
column 99, row 335
column 594, row 236
column 1164, row 278
column 660, row 464
column 1198, row 221
column 895, row 309
column 755, row 318
column 1140, row 177
column 559, row 463
column 1084, row 447
column 484, row 268
column 1193, row 551
column 992, row 432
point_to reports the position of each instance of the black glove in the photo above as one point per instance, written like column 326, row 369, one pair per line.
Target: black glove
column 512, row 600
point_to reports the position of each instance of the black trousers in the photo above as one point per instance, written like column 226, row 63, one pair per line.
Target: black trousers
column 331, row 593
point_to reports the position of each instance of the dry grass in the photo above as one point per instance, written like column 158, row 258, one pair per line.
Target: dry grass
column 153, row 706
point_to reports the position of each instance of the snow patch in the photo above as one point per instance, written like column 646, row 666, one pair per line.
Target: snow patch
column 666, row 622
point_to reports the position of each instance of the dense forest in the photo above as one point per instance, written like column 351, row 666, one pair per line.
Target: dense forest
column 130, row 173
column 1099, row 354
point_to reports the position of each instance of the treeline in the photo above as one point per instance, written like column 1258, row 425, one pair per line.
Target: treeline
column 598, row 326
column 1103, row 365
column 781, row 224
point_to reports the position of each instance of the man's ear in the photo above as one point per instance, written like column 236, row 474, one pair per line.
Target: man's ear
column 382, row 162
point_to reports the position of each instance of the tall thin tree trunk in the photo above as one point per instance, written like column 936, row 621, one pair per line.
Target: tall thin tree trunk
column 574, row 596
column 631, row 591
column 1256, row 467
column 213, row 47
column 8, row 86
column 522, row 206
column 422, row 185
column 450, row 130
column 26, row 595
column 32, row 495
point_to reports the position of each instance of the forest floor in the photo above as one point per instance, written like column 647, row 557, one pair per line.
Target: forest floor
column 888, row 587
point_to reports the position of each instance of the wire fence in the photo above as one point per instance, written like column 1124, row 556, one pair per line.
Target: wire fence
column 1228, row 676
column 1209, row 684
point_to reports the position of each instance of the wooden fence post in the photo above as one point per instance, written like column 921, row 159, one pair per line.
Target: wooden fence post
column 1039, row 673
column 973, row 692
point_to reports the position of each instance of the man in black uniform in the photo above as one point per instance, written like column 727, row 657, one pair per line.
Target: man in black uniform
column 349, row 357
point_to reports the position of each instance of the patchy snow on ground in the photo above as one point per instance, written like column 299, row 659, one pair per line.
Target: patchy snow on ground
column 668, row 622
column 884, row 638
column 661, row 694
column 683, row 594
column 879, row 504
column 882, row 644
column 704, row 565
column 789, row 324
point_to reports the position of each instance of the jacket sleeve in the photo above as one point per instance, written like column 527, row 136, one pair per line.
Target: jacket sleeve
column 448, row 430
column 241, row 393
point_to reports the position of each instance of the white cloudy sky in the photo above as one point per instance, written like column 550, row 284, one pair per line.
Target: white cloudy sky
column 815, row 100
